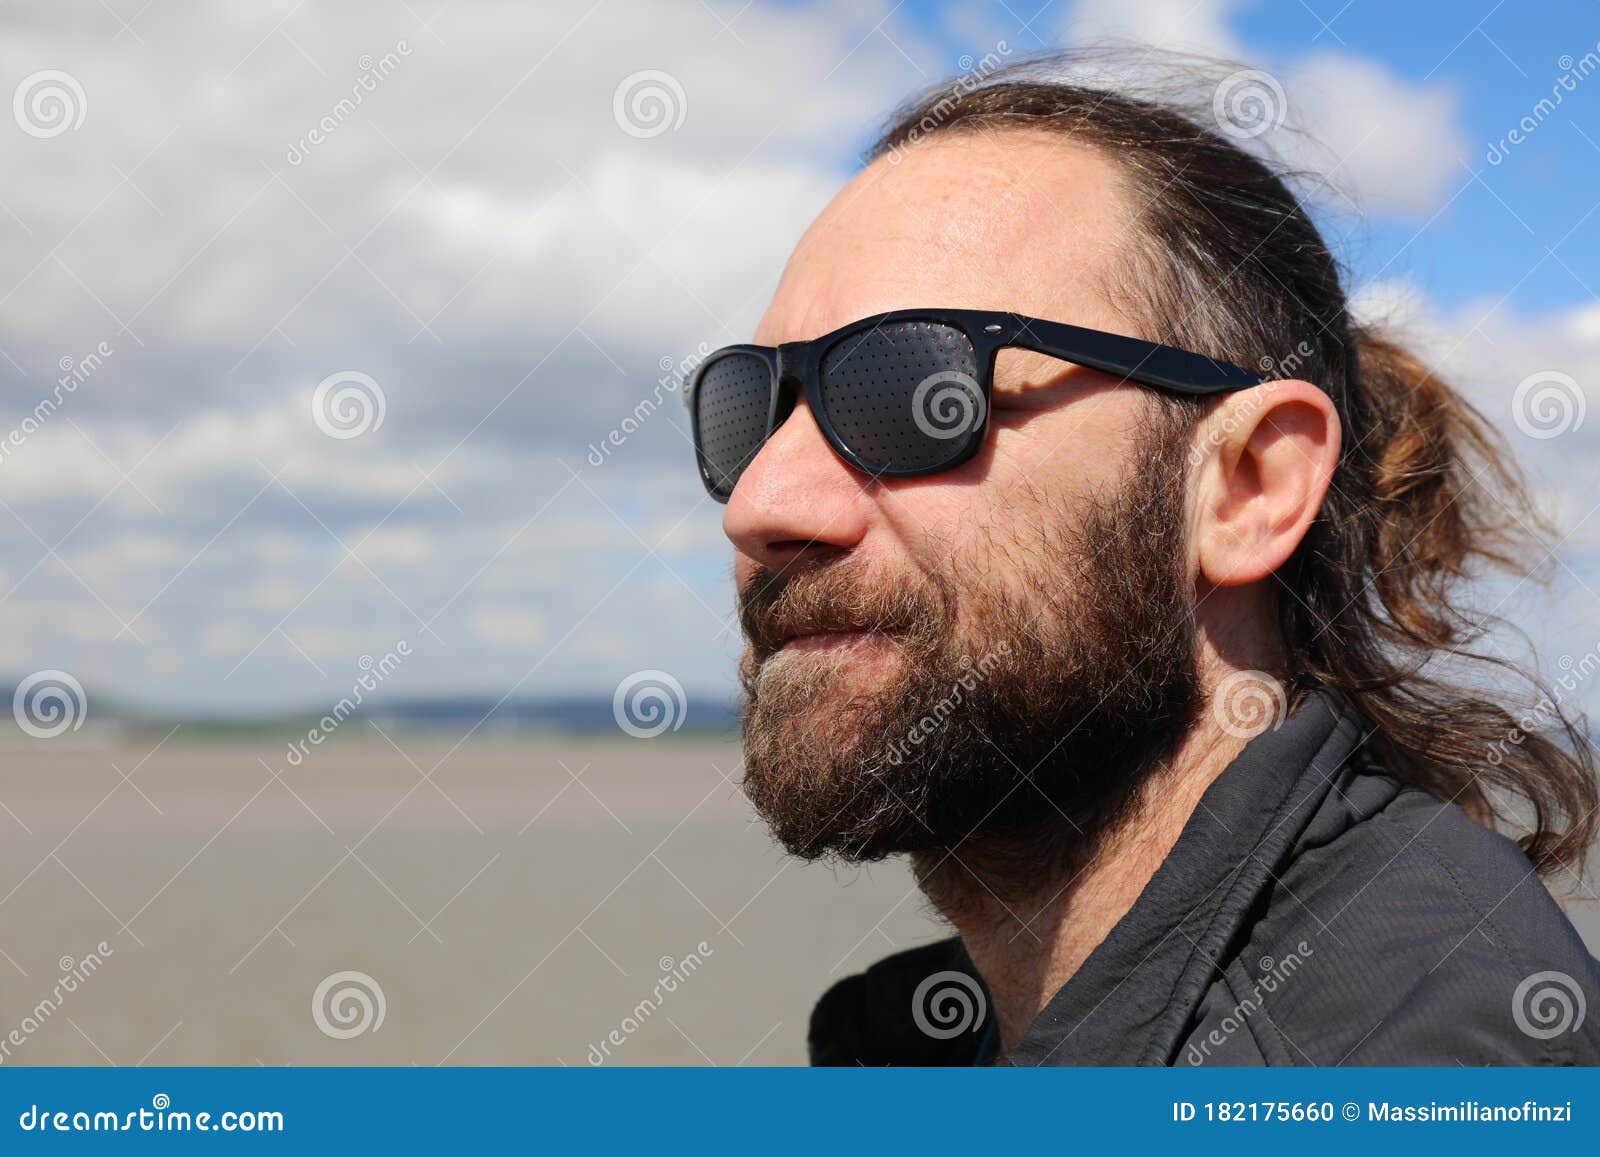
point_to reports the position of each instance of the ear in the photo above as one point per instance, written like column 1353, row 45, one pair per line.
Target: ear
column 1265, row 457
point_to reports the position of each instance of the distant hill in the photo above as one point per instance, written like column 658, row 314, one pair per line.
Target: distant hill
column 589, row 714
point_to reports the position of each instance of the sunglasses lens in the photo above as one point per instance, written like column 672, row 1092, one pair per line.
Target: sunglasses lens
column 904, row 397
column 731, row 400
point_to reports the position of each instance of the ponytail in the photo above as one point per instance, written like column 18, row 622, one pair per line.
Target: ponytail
column 1427, row 498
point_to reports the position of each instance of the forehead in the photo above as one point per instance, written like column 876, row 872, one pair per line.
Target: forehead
column 1025, row 221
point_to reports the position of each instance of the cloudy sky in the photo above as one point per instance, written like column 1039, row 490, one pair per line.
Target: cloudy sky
column 485, row 228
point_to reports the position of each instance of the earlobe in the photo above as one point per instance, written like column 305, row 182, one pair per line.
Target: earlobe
column 1266, row 458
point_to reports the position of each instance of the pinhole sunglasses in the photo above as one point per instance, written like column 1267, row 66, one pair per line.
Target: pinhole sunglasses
column 906, row 393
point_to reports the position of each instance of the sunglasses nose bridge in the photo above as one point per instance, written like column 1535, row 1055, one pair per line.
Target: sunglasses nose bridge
column 791, row 357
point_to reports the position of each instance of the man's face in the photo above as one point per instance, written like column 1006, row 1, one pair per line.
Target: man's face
column 996, row 649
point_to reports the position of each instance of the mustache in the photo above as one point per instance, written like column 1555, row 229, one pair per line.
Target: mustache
column 777, row 605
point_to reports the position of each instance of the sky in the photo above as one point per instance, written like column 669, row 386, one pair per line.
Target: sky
column 357, row 302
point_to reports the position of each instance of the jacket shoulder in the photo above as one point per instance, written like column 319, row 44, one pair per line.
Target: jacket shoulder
column 1419, row 936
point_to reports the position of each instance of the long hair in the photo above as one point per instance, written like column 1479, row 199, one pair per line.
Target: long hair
column 1424, row 497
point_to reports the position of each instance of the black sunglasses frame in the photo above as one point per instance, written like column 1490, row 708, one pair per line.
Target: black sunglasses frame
column 798, row 365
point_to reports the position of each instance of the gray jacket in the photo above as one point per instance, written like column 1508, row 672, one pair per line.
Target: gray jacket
column 1315, row 910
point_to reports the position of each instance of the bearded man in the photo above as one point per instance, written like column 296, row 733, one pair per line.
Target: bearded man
column 1091, row 555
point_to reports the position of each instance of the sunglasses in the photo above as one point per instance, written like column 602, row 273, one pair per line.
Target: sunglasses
column 906, row 394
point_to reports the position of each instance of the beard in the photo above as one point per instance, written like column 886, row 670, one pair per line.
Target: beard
column 1017, row 713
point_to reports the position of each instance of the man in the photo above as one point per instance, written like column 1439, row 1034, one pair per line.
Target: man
column 1099, row 578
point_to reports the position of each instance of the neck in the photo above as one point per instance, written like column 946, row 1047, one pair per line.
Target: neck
column 1029, row 931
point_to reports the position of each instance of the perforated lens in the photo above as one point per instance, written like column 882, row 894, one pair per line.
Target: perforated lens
column 731, row 402
column 904, row 396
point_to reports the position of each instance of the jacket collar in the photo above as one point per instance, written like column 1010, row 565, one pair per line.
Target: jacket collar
column 1131, row 1000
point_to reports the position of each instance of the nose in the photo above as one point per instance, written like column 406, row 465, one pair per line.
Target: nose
column 797, row 500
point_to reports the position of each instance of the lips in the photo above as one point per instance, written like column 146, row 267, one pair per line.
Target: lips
column 823, row 640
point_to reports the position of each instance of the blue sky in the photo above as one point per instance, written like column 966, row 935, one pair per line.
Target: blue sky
column 489, row 243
